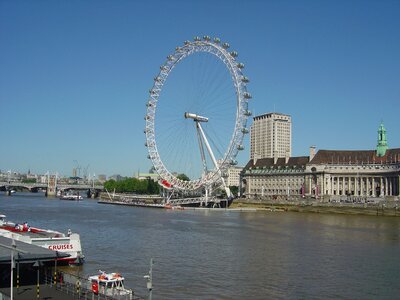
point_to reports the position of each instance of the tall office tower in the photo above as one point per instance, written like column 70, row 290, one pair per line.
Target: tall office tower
column 271, row 136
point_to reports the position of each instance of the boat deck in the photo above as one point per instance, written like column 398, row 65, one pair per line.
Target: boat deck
column 33, row 233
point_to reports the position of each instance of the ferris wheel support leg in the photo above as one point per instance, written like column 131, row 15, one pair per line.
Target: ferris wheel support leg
column 203, row 156
column 227, row 190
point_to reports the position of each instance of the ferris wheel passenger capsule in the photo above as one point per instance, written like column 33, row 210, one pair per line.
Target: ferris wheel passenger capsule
column 217, row 40
column 197, row 38
column 157, row 79
column 186, row 42
column 240, row 65
column 164, row 68
column 170, row 57
column 233, row 162
column 245, row 79
column 247, row 95
column 148, row 156
column 248, row 113
column 206, row 38
column 245, row 130
column 234, row 54
column 225, row 45
column 240, row 147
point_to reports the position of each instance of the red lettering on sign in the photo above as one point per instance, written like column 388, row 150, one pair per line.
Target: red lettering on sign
column 61, row 247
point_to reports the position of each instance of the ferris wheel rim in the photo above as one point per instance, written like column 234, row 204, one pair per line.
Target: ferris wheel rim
column 240, row 81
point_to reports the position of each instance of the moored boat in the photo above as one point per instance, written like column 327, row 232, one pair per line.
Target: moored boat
column 110, row 284
column 71, row 196
column 69, row 243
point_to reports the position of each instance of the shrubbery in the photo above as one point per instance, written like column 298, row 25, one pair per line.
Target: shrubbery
column 132, row 185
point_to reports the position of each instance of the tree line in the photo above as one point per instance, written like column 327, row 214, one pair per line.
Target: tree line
column 132, row 185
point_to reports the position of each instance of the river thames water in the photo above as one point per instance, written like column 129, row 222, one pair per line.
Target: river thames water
column 227, row 255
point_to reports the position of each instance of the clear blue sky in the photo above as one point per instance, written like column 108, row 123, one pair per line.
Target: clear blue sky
column 75, row 75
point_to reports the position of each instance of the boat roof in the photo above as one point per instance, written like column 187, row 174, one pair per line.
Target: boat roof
column 107, row 277
column 29, row 253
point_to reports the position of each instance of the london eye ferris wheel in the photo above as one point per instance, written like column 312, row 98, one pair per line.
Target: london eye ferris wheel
column 196, row 120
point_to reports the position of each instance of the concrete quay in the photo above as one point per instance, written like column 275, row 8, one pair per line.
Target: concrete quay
column 352, row 206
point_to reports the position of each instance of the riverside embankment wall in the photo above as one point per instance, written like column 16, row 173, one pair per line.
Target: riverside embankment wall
column 389, row 208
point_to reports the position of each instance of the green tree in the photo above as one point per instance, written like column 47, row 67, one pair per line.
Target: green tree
column 152, row 187
column 29, row 180
column 132, row 185
column 234, row 190
column 183, row 177
column 110, row 185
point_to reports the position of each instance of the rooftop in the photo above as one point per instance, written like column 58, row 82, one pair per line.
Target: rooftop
column 355, row 157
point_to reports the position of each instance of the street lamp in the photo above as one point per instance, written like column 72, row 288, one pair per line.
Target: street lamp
column 149, row 278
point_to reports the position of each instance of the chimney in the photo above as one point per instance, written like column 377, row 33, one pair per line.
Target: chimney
column 287, row 156
column 312, row 152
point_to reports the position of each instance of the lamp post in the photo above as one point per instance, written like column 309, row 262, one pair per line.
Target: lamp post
column 13, row 247
column 149, row 278
column 37, row 265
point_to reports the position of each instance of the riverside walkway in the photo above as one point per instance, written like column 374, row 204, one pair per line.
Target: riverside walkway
column 29, row 292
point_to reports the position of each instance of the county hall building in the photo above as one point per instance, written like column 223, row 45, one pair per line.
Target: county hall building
column 327, row 174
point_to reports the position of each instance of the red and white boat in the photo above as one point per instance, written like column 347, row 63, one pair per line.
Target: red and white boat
column 69, row 243
column 110, row 284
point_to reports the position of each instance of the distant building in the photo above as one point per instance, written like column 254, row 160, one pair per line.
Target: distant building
column 153, row 176
column 271, row 136
column 116, row 177
column 233, row 178
column 102, row 178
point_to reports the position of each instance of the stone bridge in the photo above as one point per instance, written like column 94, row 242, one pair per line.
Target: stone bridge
column 34, row 187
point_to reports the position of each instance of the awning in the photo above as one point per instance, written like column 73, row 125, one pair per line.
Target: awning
column 28, row 253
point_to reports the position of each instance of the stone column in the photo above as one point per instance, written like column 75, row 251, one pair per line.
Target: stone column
column 387, row 189
column 373, row 187
column 361, row 186
column 356, row 179
column 343, row 188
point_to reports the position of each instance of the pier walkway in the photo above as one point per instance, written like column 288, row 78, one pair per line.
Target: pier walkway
column 29, row 292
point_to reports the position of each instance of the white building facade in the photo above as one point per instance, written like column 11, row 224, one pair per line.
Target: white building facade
column 233, row 178
column 354, row 173
column 271, row 136
column 271, row 178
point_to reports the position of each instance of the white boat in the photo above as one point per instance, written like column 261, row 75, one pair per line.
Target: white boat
column 69, row 243
column 110, row 284
column 70, row 196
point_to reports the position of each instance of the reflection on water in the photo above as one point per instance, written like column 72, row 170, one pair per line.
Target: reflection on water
column 228, row 255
